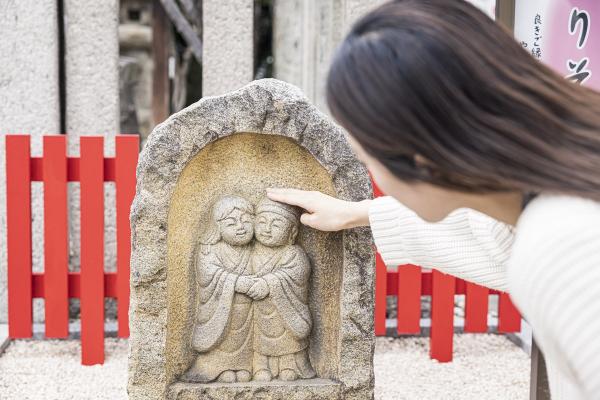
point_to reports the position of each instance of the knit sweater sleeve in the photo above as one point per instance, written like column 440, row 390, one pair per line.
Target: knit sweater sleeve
column 554, row 276
column 466, row 244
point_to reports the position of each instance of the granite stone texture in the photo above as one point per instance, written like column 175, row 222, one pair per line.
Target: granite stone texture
column 228, row 45
column 265, row 134
column 314, row 389
column 29, row 104
column 92, row 104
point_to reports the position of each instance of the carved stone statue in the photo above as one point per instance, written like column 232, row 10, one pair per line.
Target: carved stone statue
column 223, row 329
column 282, row 320
column 252, row 319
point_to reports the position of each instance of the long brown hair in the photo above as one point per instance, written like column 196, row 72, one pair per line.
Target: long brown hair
column 439, row 79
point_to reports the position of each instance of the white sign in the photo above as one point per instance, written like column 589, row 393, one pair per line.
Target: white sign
column 562, row 34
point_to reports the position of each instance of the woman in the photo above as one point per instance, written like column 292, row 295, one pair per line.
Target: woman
column 457, row 123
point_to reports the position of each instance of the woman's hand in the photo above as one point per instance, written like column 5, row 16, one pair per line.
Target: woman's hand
column 324, row 212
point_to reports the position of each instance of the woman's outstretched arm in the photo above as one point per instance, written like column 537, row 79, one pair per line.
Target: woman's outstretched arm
column 324, row 212
column 466, row 244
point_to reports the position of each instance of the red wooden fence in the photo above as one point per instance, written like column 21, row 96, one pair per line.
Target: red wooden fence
column 409, row 283
column 56, row 284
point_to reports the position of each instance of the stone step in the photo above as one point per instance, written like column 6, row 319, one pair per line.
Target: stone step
column 303, row 389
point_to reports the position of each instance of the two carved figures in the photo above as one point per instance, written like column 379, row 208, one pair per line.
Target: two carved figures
column 252, row 318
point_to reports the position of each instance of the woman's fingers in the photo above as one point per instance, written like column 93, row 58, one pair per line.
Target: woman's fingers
column 295, row 197
column 323, row 212
column 308, row 219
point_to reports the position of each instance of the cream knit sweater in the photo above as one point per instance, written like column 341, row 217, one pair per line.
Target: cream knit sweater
column 550, row 265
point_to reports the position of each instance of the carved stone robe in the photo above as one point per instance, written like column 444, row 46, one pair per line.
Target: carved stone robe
column 223, row 329
column 282, row 320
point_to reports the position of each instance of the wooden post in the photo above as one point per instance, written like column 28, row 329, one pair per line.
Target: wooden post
column 18, row 230
column 442, row 316
column 125, row 162
column 505, row 13
column 56, row 244
column 409, row 299
column 509, row 318
column 161, row 32
column 476, row 308
column 539, row 389
column 380, row 296
column 91, row 175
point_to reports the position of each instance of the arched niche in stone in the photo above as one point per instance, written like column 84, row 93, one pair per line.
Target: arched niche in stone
column 263, row 135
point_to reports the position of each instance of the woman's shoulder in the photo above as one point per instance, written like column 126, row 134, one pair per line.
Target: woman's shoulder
column 549, row 212
column 559, row 224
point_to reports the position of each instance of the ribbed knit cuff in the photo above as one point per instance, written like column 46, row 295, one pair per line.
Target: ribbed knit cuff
column 389, row 220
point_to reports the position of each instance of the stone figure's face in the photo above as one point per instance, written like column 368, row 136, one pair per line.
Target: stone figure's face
column 273, row 229
column 237, row 228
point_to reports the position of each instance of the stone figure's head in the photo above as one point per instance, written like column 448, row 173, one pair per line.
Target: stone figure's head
column 276, row 223
column 231, row 220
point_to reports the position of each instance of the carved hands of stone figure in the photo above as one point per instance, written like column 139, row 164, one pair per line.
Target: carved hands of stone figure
column 259, row 289
column 253, row 287
column 243, row 284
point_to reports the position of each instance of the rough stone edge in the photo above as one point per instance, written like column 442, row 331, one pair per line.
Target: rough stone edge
column 170, row 147
column 323, row 389
column 4, row 338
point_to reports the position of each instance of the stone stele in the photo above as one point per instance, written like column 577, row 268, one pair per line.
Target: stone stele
column 232, row 298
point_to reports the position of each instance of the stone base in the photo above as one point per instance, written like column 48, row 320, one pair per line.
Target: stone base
column 305, row 389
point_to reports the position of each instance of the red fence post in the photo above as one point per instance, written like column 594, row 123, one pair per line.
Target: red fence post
column 92, row 250
column 409, row 299
column 509, row 318
column 56, row 245
column 476, row 308
column 127, row 147
column 380, row 295
column 442, row 316
column 18, row 229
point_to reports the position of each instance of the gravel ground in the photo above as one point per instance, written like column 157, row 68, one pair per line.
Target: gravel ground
column 484, row 367
column 51, row 370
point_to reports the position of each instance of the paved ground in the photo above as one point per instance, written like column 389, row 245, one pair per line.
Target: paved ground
column 485, row 367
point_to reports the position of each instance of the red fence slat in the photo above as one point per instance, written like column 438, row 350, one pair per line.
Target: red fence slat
column 459, row 288
column 74, row 280
column 92, row 250
column 509, row 318
column 380, row 295
column 37, row 168
column 409, row 299
column 125, row 162
column 56, row 250
column 442, row 316
column 476, row 308
column 18, row 229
